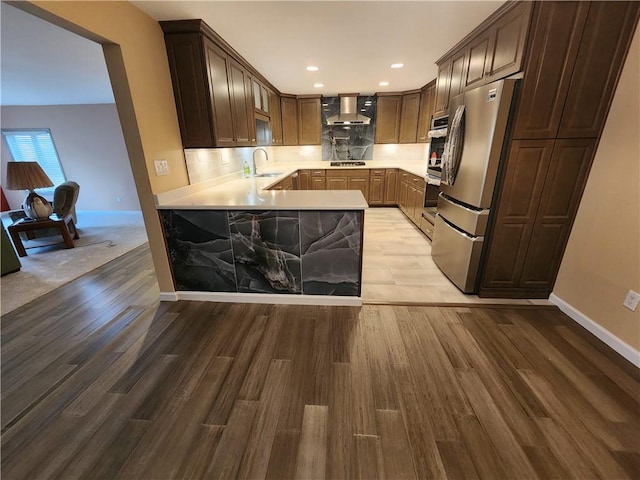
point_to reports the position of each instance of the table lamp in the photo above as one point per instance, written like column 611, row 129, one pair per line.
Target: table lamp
column 28, row 176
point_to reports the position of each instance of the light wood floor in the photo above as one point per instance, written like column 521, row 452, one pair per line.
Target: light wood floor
column 398, row 268
column 100, row 381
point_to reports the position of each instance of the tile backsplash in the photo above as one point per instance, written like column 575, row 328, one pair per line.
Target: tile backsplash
column 208, row 163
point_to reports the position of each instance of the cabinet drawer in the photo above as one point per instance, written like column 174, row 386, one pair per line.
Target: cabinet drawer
column 377, row 172
column 347, row 172
column 317, row 173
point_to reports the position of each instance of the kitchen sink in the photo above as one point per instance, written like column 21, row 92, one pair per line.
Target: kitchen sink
column 272, row 174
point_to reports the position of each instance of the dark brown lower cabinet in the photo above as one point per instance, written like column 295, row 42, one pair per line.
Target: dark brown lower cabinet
column 541, row 189
column 376, row 187
column 391, row 186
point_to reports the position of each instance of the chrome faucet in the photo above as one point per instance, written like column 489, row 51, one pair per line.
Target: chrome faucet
column 266, row 156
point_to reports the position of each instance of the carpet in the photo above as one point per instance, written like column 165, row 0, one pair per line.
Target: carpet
column 49, row 265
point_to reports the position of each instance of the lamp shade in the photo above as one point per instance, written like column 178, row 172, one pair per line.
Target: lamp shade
column 26, row 176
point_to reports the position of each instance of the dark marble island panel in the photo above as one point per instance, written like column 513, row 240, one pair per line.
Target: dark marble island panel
column 269, row 251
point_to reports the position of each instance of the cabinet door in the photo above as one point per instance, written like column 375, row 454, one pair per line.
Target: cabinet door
column 257, row 99
column 443, row 83
column 251, row 114
column 359, row 183
column 478, row 59
column 289, row 111
column 304, row 180
column 409, row 118
column 418, row 187
column 376, row 190
column 388, row 110
column 403, row 191
column 553, row 47
column 510, row 33
column 426, row 110
column 563, row 187
column 458, row 73
column 276, row 119
column 309, row 118
column 318, row 183
column 391, row 187
column 220, row 95
column 607, row 35
column 190, row 89
column 239, row 95
column 337, row 183
column 521, row 187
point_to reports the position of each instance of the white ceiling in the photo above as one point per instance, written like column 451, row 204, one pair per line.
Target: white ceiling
column 353, row 43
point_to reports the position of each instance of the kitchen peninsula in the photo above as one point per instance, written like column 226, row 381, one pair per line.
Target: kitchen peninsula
column 237, row 236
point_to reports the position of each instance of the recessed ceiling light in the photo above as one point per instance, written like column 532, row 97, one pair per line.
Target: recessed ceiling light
column 397, row 65
column 318, row 85
column 383, row 84
column 312, row 68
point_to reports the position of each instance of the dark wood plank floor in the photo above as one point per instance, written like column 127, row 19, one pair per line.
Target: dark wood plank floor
column 101, row 381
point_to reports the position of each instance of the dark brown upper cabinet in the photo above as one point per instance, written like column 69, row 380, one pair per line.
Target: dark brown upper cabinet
column 478, row 59
column 275, row 118
column 409, row 117
column 555, row 37
column 492, row 51
column 241, row 105
column 443, row 83
column 388, row 110
column 289, row 111
column 607, row 35
column 508, row 34
column 213, row 87
column 309, row 120
column 201, row 90
column 427, row 99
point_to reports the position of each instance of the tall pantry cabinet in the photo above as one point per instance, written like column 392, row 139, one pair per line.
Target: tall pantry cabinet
column 574, row 56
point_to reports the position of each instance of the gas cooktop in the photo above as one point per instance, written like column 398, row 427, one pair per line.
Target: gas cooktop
column 348, row 163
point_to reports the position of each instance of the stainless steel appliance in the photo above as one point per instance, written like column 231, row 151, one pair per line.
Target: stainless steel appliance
column 437, row 139
column 478, row 121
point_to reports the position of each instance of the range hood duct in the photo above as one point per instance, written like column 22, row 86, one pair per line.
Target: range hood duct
column 348, row 112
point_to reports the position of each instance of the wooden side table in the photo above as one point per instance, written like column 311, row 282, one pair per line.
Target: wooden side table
column 62, row 223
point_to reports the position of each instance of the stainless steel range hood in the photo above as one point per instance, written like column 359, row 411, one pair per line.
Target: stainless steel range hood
column 348, row 112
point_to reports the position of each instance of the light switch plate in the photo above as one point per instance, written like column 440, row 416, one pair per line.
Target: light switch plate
column 162, row 168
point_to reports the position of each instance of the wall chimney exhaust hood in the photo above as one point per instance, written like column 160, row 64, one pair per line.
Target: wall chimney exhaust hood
column 348, row 112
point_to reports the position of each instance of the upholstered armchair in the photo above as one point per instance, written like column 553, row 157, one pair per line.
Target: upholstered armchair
column 65, row 197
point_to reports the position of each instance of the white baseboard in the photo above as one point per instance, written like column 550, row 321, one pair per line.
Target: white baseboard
column 623, row 348
column 168, row 297
column 262, row 298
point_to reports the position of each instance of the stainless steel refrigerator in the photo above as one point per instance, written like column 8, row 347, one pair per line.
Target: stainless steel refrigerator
column 478, row 121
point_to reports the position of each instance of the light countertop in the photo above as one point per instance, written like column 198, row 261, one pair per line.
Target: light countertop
column 237, row 192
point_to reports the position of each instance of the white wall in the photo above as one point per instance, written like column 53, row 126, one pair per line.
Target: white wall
column 91, row 148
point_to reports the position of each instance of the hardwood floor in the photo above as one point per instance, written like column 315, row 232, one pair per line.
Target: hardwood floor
column 100, row 381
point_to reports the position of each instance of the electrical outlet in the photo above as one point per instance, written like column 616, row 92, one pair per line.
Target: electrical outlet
column 162, row 168
column 631, row 301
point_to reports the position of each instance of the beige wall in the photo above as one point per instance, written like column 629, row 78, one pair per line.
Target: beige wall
column 137, row 63
column 602, row 259
column 92, row 152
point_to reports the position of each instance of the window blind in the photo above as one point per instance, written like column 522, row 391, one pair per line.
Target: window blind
column 36, row 146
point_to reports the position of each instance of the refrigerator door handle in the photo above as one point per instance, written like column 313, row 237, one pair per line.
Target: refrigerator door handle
column 459, row 230
column 453, row 148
